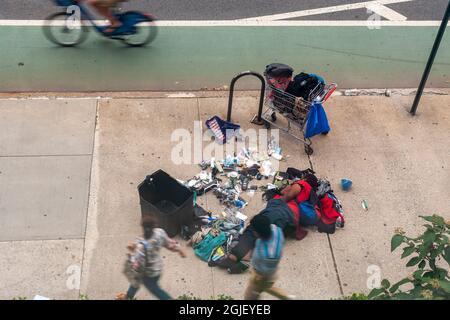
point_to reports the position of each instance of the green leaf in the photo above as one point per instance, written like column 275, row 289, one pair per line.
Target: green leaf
column 417, row 274
column 442, row 273
column 375, row 293
column 445, row 285
column 422, row 264
column 443, row 240
column 413, row 262
column 432, row 264
column 403, row 296
column 438, row 220
column 447, row 254
column 427, row 218
column 429, row 237
column 425, row 280
column 395, row 287
column 408, row 251
column 435, row 219
column 385, row 283
column 434, row 254
column 423, row 250
column 416, row 292
column 396, row 241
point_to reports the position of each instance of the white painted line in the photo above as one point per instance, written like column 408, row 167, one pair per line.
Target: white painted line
column 297, row 23
column 386, row 12
column 180, row 95
column 250, row 23
column 40, row 23
column 312, row 12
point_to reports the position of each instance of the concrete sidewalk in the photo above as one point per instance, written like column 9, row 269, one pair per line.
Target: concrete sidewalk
column 69, row 169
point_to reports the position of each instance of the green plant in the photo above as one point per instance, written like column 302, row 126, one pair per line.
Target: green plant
column 428, row 281
column 84, row 297
column 188, row 297
column 222, row 297
column 355, row 296
column 20, row 298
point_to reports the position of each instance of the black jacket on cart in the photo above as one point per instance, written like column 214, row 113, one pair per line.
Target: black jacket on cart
column 302, row 85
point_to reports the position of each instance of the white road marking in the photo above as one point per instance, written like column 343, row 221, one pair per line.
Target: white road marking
column 344, row 7
column 386, row 12
column 248, row 23
column 180, row 95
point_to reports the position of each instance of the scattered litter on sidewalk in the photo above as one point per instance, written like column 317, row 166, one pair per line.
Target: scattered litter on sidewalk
column 222, row 130
column 365, row 205
column 351, row 92
column 219, row 232
column 346, row 184
column 213, row 235
column 232, row 180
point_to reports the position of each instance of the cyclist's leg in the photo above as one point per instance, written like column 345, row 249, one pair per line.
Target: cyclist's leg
column 104, row 8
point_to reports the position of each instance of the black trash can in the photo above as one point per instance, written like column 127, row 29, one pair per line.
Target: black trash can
column 168, row 201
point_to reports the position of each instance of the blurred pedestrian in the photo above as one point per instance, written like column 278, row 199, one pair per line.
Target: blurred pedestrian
column 265, row 259
column 144, row 263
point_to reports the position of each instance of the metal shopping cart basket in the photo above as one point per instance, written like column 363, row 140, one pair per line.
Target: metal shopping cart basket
column 293, row 109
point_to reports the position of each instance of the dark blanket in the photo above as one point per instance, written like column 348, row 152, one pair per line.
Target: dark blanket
column 278, row 213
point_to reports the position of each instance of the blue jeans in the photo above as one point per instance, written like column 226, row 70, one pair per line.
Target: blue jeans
column 151, row 283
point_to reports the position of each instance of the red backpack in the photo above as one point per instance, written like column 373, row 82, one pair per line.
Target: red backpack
column 332, row 216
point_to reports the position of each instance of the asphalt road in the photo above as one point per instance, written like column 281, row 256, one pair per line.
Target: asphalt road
column 231, row 9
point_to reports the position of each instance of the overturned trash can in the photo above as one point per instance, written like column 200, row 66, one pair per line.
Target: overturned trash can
column 164, row 198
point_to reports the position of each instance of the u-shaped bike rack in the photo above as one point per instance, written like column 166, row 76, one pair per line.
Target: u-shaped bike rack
column 258, row 119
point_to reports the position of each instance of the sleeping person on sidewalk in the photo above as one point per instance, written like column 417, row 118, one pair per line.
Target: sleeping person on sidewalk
column 281, row 211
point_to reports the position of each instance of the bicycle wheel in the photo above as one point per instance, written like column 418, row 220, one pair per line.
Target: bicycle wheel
column 62, row 31
column 146, row 32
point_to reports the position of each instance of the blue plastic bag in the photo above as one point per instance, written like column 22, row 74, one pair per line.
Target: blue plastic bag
column 317, row 121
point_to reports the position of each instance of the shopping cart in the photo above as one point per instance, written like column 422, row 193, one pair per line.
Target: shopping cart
column 293, row 109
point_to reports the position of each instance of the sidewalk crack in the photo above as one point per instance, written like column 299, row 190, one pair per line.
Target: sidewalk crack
column 335, row 266
column 341, row 290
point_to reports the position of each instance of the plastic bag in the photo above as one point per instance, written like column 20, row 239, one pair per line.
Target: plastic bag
column 317, row 121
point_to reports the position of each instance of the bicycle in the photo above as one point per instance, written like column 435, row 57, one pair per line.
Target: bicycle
column 68, row 30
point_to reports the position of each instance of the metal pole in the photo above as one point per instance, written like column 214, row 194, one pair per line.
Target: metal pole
column 261, row 96
column 426, row 73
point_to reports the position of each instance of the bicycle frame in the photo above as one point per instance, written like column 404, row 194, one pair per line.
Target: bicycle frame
column 130, row 22
column 85, row 15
